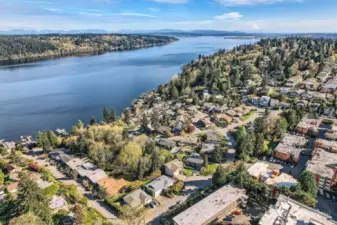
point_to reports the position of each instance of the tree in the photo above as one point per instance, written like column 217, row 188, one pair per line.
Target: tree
column 32, row 199
column 218, row 154
column 220, row 177
column 205, row 161
column 53, row 139
column 26, row 219
column 281, row 128
column 156, row 161
column 92, row 121
column 43, row 141
column 112, row 117
column 259, row 144
column 259, row 125
column 106, row 114
column 141, row 169
column 308, row 183
column 174, row 93
column 2, row 177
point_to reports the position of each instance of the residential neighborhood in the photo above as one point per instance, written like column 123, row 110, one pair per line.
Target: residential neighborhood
column 196, row 151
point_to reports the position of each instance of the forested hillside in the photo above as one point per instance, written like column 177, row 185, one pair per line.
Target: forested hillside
column 26, row 48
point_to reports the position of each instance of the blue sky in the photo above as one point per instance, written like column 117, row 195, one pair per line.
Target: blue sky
column 115, row 15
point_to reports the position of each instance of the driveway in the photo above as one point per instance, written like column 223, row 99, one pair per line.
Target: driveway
column 98, row 205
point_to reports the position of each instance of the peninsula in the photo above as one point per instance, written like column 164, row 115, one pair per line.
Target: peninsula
column 26, row 48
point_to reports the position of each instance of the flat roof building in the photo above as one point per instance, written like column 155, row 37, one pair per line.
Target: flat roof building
column 210, row 209
column 308, row 126
column 324, row 166
column 290, row 147
column 287, row 211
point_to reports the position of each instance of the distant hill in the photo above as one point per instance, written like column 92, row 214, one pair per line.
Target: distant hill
column 25, row 48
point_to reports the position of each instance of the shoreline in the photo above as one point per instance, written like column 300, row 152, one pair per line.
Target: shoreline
column 59, row 55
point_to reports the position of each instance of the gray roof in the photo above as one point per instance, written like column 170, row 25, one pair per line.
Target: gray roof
column 160, row 183
column 65, row 158
column 96, row 175
column 195, row 158
column 137, row 198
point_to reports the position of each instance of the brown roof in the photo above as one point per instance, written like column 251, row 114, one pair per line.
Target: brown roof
column 12, row 187
column 225, row 117
column 112, row 186
column 35, row 176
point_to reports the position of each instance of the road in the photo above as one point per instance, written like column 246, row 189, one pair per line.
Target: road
column 98, row 205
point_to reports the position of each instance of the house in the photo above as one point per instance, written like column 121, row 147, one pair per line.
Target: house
column 137, row 199
column 324, row 75
column 215, row 206
column 308, row 126
column 174, row 168
column 310, row 84
column 330, row 86
column 257, row 169
column 75, row 164
column 264, row 101
column 293, row 81
column 329, row 112
column 165, row 143
column 64, row 158
column 288, row 212
column 13, row 187
column 290, row 147
column 207, row 148
column 195, row 161
column 212, row 137
column 185, row 140
column 278, row 182
column 57, row 203
column 96, row 175
column 112, row 186
column 156, row 186
column 274, row 102
column 222, row 117
column 330, row 146
column 324, row 166
column 163, row 130
column 254, row 100
column 331, row 134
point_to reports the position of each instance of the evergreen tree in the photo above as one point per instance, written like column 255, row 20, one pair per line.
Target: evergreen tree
column 156, row 161
column 205, row 161
column 32, row 199
column 92, row 121
column 174, row 93
column 308, row 183
column 259, row 144
column 112, row 117
column 106, row 114
column 53, row 140
column 220, row 177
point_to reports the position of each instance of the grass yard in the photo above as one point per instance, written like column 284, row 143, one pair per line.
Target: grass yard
column 188, row 172
column 246, row 117
column 209, row 170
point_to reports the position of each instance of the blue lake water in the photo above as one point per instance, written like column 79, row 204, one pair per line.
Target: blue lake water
column 56, row 93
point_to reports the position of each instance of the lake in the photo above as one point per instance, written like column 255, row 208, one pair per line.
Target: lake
column 52, row 94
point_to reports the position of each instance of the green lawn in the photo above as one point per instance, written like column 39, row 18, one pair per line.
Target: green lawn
column 246, row 117
column 181, row 156
column 188, row 172
column 209, row 170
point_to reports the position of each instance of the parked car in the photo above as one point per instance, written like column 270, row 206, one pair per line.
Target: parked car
column 320, row 191
column 228, row 218
column 327, row 195
column 333, row 198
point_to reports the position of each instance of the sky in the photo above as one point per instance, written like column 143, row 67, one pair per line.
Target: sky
column 292, row 16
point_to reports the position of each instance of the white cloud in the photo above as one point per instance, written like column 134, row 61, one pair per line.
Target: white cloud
column 256, row 27
column 251, row 2
column 136, row 15
column 229, row 16
column 172, row 1
column 53, row 9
